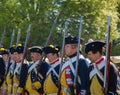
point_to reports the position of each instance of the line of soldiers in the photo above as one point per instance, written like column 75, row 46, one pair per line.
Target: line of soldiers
column 49, row 77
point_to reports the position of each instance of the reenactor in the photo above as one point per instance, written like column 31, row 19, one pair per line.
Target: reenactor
column 2, row 70
column 68, row 70
column 18, row 68
column 51, row 81
column 118, row 81
column 7, row 85
column 10, row 72
column 36, row 72
column 5, row 55
column 94, row 50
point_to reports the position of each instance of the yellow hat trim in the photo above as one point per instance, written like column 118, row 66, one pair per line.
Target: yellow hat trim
column 51, row 46
column 19, row 44
column 13, row 45
column 56, row 48
column 2, row 49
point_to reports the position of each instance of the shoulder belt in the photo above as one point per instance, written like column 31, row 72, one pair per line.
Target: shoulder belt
column 17, row 69
column 53, row 69
column 97, row 69
column 12, row 67
column 33, row 66
column 73, row 70
column 68, row 63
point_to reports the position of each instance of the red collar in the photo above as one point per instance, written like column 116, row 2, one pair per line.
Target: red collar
column 99, row 60
column 19, row 61
column 53, row 62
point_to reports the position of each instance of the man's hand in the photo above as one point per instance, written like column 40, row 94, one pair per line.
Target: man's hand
column 33, row 87
column 3, row 92
column 36, row 85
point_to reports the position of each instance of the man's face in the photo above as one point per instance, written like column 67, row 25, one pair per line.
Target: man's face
column 12, row 56
column 5, row 57
column 35, row 56
column 15, row 56
column 18, row 56
column 68, row 49
column 50, row 57
column 93, row 56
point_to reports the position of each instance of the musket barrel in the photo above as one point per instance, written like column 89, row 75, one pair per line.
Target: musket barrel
column 62, row 54
column 18, row 36
column 11, row 42
column 12, row 39
column 49, row 37
column 107, row 56
column 51, row 31
column 63, row 45
column 77, row 60
column 26, row 41
column 25, row 45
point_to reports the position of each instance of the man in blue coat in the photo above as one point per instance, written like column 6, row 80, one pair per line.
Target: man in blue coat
column 94, row 50
column 68, row 70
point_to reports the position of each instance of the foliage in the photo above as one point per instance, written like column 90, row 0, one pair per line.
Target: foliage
column 41, row 14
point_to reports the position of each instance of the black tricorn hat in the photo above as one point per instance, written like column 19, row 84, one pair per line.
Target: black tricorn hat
column 72, row 40
column 51, row 49
column 12, row 49
column 20, row 48
column 94, row 46
column 4, row 51
column 37, row 49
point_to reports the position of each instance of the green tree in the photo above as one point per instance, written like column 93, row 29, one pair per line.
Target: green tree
column 41, row 14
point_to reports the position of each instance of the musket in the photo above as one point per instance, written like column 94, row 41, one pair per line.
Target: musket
column 48, row 38
column 77, row 58
column 25, row 45
column 106, row 71
column 11, row 42
column 62, row 55
column 18, row 36
column 51, row 31
column 43, row 57
column 3, row 35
